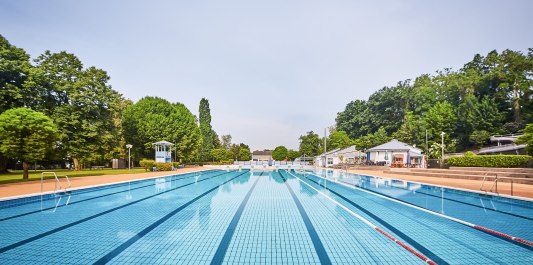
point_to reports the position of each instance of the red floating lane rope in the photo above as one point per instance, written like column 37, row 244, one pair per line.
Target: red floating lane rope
column 500, row 234
column 408, row 248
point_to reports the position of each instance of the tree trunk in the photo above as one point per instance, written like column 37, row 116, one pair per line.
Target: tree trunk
column 25, row 167
column 516, row 104
column 3, row 164
column 76, row 164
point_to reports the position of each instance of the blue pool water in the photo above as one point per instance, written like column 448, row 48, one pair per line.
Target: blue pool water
column 262, row 217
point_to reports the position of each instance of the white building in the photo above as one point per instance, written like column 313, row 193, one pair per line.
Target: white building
column 396, row 154
column 334, row 157
column 265, row 155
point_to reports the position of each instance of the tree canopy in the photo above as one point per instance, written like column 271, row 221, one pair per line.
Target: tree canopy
column 26, row 135
column 153, row 119
column 280, row 153
column 489, row 95
column 310, row 144
column 208, row 134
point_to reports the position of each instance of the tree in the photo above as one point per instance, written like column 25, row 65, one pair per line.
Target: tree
column 280, row 153
column 226, row 141
column 83, row 105
column 14, row 69
column 354, row 120
column 245, row 154
column 310, row 144
column 441, row 118
column 153, row 119
column 339, row 139
column 26, row 135
column 208, row 134
column 222, row 154
column 412, row 130
column 293, row 154
column 527, row 138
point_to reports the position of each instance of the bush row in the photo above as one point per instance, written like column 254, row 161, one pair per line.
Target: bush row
column 470, row 160
column 148, row 165
column 223, row 162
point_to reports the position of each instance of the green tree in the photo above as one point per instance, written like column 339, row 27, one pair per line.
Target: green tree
column 83, row 107
column 14, row 70
column 441, row 118
column 280, row 153
column 293, row 154
column 245, row 154
column 208, row 134
column 338, row 139
column 310, row 144
column 412, row 130
column 26, row 135
column 527, row 138
column 226, row 141
column 222, row 154
column 153, row 119
column 354, row 119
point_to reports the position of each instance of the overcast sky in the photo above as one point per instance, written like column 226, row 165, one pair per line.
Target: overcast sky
column 272, row 70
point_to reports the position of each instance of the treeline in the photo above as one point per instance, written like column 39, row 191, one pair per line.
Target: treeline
column 489, row 95
column 86, row 120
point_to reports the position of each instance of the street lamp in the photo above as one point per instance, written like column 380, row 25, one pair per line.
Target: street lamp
column 129, row 146
column 442, row 149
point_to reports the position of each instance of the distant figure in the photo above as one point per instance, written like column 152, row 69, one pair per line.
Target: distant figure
column 154, row 169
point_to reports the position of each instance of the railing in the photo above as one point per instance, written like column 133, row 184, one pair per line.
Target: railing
column 500, row 179
column 56, row 183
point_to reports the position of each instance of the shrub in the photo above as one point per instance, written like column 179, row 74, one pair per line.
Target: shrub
column 161, row 166
column 489, row 160
column 470, row 153
column 147, row 164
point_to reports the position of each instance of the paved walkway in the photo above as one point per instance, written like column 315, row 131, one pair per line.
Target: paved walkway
column 32, row 187
column 522, row 190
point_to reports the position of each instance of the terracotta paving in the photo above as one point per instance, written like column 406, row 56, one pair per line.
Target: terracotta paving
column 31, row 187
column 523, row 190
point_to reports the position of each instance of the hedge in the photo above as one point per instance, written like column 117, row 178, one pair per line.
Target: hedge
column 148, row 165
column 489, row 160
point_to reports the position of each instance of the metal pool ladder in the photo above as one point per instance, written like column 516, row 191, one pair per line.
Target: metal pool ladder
column 57, row 183
column 494, row 183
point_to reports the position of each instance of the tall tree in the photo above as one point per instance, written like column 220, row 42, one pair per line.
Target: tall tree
column 26, row 135
column 280, row 153
column 310, row 144
column 14, row 69
column 226, row 141
column 84, row 105
column 338, row 139
column 153, row 119
column 206, row 130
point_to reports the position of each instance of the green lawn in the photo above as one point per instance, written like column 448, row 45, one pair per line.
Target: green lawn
column 16, row 175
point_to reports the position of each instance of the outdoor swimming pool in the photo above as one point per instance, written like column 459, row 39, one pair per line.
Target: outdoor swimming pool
column 265, row 217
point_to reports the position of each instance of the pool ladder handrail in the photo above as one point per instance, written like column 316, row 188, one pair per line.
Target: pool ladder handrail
column 56, row 183
column 494, row 183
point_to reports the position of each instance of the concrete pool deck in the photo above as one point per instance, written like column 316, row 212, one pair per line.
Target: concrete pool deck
column 34, row 187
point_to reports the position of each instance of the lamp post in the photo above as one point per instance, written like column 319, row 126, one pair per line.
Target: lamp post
column 129, row 146
column 442, row 148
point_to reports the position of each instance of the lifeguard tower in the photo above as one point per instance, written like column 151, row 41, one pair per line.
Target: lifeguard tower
column 163, row 151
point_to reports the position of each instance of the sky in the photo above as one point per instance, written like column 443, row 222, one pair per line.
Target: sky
column 272, row 70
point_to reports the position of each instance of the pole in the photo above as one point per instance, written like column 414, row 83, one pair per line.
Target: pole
column 427, row 148
column 325, row 156
column 442, row 149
